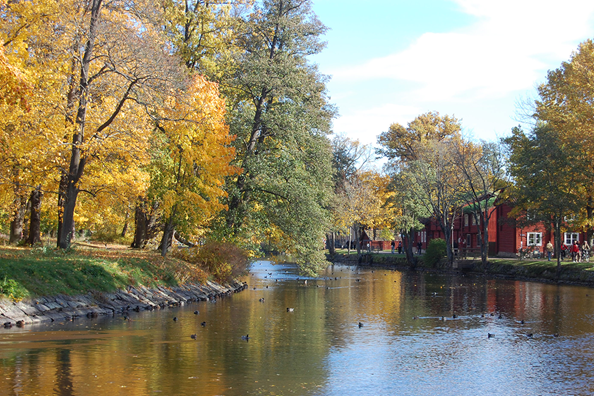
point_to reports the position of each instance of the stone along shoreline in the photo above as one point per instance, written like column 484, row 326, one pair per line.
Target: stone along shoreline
column 63, row 308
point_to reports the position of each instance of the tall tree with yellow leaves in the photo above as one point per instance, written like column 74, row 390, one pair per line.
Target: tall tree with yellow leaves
column 565, row 104
column 121, row 62
column 193, row 160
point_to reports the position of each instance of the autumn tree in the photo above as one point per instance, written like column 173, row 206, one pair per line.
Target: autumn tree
column 419, row 162
column 188, row 177
column 438, row 186
column 120, row 61
column 205, row 33
column 482, row 167
column 364, row 203
column 565, row 104
column 349, row 159
column 29, row 131
column 538, row 163
column 14, row 88
column 400, row 144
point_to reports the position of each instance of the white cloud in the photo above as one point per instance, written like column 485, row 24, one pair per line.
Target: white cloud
column 508, row 48
column 366, row 124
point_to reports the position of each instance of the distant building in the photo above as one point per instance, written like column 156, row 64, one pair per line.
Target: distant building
column 506, row 237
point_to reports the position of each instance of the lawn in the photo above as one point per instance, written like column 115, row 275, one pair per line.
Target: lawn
column 30, row 272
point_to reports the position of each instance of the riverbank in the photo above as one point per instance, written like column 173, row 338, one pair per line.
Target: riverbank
column 89, row 281
column 64, row 308
column 514, row 269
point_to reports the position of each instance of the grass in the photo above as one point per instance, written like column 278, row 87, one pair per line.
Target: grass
column 26, row 272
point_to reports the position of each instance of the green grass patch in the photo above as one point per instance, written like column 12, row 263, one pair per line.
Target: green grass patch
column 40, row 272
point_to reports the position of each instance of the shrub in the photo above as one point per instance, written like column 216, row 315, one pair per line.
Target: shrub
column 435, row 252
column 224, row 261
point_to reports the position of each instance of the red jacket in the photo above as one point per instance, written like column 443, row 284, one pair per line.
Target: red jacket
column 575, row 248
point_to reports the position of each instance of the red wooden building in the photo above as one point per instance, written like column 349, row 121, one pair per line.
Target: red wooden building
column 506, row 238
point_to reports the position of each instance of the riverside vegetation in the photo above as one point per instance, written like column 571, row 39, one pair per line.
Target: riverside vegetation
column 27, row 273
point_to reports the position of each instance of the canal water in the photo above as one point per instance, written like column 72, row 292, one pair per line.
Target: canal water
column 353, row 331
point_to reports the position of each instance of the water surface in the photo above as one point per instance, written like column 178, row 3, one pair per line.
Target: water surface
column 352, row 331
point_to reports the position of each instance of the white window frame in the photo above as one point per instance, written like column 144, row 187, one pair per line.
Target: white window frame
column 570, row 237
column 466, row 220
column 473, row 219
column 534, row 238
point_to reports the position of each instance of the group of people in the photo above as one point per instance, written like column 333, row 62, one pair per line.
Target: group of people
column 393, row 244
column 578, row 253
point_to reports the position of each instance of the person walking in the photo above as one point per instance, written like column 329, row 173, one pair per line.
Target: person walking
column 563, row 251
column 575, row 252
column 393, row 244
column 585, row 251
column 550, row 250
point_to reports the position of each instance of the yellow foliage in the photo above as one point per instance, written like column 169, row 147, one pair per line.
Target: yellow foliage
column 199, row 155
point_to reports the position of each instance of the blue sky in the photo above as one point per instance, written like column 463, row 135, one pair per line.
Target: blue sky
column 390, row 61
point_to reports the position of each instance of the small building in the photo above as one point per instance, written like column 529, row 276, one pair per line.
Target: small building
column 377, row 243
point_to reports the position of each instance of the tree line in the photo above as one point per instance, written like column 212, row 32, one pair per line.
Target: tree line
column 204, row 119
column 545, row 173
column 199, row 119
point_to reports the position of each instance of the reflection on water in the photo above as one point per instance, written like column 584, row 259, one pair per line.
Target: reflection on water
column 420, row 333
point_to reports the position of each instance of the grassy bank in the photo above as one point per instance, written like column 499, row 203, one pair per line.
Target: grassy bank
column 26, row 272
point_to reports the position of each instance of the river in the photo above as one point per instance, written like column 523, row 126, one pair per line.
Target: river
column 352, row 331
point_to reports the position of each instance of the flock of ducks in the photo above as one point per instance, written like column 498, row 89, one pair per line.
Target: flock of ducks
column 360, row 324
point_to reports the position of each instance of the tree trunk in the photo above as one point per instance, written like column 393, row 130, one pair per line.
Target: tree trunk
column 67, row 229
column 145, row 222
column 357, row 229
column 18, row 220
column 140, row 231
column 330, row 240
column 349, row 244
column 167, row 237
column 447, row 232
column 485, row 239
column 61, row 201
column 558, row 244
column 125, row 229
column 407, row 245
column 590, row 216
column 77, row 159
column 35, row 217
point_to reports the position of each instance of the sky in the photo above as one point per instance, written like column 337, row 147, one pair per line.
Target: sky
column 391, row 60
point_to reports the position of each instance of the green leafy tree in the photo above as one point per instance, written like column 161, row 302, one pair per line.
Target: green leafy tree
column 349, row 159
column 543, row 186
column 281, row 116
column 408, row 210
column 420, row 160
column 482, row 167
